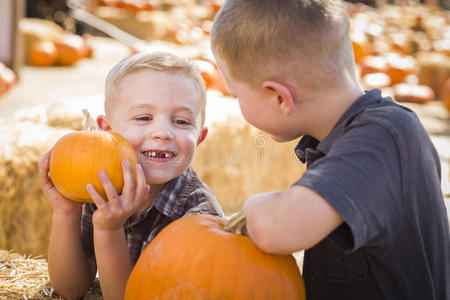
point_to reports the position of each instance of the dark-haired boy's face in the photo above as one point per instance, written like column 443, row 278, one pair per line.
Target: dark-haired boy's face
column 256, row 104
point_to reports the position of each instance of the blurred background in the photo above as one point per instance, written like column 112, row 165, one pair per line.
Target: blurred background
column 55, row 56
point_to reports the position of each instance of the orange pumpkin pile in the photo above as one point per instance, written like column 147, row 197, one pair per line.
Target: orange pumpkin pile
column 7, row 78
column 77, row 158
column 398, row 47
column 195, row 258
column 65, row 51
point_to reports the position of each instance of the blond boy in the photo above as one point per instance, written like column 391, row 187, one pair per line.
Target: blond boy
column 157, row 102
column 369, row 209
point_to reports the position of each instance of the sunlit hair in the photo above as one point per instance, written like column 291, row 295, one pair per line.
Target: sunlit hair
column 307, row 40
column 157, row 61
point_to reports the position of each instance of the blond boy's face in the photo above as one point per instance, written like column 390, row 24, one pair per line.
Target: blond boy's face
column 159, row 113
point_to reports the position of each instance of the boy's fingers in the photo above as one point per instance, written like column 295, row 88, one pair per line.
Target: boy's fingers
column 44, row 179
column 142, row 188
column 44, row 166
column 128, row 182
column 110, row 190
column 45, row 158
column 95, row 196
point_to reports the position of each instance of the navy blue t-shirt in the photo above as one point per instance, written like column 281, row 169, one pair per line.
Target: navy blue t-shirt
column 380, row 171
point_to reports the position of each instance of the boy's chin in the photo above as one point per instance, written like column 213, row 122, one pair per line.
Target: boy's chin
column 280, row 139
column 158, row 179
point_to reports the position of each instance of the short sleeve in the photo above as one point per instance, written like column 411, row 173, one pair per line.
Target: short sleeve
column 204, row 203
column 361, row 178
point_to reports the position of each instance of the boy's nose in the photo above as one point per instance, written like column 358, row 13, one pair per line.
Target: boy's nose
column 162, row 132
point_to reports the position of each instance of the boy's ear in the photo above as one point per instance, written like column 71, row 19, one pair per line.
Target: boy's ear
column 103, row 123
column 282, row 94
column 202, row 136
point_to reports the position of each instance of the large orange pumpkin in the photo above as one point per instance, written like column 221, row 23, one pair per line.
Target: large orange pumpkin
column 77, row 158
column 195, row 258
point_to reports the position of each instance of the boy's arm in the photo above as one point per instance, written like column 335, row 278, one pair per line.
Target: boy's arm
column 289, row 221
column 113, row 262
column 71, row 272
column 111, row 251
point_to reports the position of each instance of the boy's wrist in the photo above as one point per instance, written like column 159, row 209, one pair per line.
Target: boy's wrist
column 74, row 215
column 108, row 234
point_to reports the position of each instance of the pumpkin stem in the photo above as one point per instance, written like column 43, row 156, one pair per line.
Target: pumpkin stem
column 89, row 122
column 236, row 223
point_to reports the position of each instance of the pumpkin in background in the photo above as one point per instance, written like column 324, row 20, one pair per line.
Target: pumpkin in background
column 210, row 74
column 71, row 49
column 413, row 93
column 445, row 94
column 7, row 78
column 361, row 45
column 77, row 158
column 43, row 54
column 399, row 66
column 208, row 71
column 194, row 257
column 375, row 80
column 373, row 64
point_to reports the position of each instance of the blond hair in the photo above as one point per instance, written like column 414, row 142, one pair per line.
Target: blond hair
column 306, row 39
column 156, row 61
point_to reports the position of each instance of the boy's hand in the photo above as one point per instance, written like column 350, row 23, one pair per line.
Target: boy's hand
column 112, row 215
column 59, row 203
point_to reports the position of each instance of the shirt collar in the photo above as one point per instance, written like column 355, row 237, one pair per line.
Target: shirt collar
column 166, row 200
column 369, row 98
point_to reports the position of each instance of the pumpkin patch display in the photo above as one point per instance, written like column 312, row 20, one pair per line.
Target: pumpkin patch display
column 77, row 158
column 194, row 257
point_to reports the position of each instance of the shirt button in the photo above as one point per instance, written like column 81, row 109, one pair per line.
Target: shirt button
column 130, row 230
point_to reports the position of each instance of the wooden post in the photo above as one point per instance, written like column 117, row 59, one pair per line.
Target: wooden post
column 11, row 49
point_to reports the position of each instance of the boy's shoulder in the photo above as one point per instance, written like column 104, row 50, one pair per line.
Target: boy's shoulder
column 399, row 121
column 197, row 197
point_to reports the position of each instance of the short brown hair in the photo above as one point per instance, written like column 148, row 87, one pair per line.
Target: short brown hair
column 310, row 38
column 157, row 61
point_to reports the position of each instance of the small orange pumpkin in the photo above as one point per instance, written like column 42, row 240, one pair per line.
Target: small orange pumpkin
column 77, row 158
column 71, row 49
column 196, row 258
column 43, row 54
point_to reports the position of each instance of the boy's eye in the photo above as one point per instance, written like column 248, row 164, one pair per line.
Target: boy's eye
column 182, row 122
column 143, row 118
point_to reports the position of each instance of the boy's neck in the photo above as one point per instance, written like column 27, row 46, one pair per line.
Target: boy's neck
column 330, row 107
column 155, row 189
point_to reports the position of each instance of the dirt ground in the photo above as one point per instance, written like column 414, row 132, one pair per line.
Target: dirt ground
column 85, row 81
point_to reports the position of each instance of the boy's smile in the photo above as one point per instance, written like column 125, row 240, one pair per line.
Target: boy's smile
column 159, row 113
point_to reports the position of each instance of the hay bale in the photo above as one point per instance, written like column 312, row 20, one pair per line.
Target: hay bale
column 26, row 215
column 24, row 277
column 64, row 114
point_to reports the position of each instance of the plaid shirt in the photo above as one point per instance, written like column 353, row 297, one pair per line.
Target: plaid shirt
column 184, row 195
